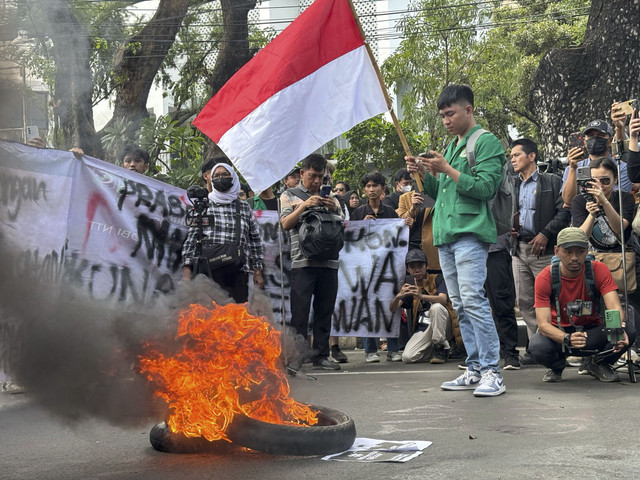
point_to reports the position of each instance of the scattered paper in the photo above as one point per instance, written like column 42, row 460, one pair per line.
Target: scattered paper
column 372, row 450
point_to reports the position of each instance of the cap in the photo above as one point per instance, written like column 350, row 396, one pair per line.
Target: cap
column 415, row 255
column 599, row 125
column 572, row 237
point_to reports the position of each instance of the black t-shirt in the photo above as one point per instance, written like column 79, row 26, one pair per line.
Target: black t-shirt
column 393, row 199
column 385, row 211
column 602, row 237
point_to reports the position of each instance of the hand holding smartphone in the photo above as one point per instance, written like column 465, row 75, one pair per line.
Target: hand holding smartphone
column 325, row 191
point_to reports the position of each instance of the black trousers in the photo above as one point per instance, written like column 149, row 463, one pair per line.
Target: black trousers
column 236, row 284
column 501, row 293
column 321, row 284
column 550, row 354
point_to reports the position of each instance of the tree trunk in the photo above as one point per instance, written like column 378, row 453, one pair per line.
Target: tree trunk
column 72, row 99
column 576, row 85
column 234, row 51
column 139, row 60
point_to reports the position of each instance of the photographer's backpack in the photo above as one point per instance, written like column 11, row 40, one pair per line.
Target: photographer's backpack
column 589, row 280
column 502, row 203
column 321, row 233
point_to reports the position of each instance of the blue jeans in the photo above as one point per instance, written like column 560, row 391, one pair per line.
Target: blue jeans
column 464, row 266
column 370, row 345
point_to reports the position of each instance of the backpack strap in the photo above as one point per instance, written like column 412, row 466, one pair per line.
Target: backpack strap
column 299, row 193
column 590, row 281
column 470, row 147
column 237, row 221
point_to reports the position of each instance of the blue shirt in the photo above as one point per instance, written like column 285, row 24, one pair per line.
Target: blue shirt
column 624, row 177
column 527, row 203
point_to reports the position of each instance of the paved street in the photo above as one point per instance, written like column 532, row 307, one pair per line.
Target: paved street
column 579, row 428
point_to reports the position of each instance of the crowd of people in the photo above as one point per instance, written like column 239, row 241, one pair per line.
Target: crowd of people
column 463, row 281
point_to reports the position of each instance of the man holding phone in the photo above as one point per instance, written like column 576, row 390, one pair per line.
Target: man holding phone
column 597, row 137
column 463, row 229
column 310, row 278
column 582, row 333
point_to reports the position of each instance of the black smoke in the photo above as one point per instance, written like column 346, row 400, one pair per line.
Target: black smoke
column 77, row 356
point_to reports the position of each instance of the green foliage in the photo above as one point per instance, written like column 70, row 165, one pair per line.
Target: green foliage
column 175, row 152
column 375, row 145
column 496, row 49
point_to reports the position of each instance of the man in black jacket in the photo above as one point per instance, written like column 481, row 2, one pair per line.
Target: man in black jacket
column 539, row 217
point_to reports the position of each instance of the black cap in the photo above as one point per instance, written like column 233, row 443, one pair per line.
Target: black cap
column 599, row 125
column 415, row 255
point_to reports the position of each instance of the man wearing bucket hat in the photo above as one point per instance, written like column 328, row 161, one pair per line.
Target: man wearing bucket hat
column 580, row 330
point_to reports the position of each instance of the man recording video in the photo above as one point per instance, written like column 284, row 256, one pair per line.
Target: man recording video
column 582, row 290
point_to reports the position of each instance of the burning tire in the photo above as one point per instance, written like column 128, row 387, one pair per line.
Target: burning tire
column 335, row 432
column 164, row 440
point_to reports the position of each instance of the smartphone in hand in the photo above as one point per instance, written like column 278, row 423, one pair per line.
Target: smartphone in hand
column 325, row 191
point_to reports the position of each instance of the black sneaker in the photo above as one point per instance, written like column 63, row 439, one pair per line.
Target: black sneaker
column 552, row 376
column 439, row 354
column 457, row 352
column 325, row 364
column 601, row 371
column 511, row 362
column 338, row 355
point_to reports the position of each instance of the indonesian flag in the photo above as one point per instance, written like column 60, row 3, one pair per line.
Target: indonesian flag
column 312, row 83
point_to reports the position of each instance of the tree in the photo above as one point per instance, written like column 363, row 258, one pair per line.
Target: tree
column 139, row 59
column 90, row 65
column 374, row 145
column 495, row 49
column 575, row 85
column 437, row 49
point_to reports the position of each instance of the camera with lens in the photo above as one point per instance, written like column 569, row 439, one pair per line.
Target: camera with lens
column 198, row 196
column 584, row 180
column 579, row 308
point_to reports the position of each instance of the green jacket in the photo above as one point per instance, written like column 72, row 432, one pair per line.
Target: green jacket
column 462, row 208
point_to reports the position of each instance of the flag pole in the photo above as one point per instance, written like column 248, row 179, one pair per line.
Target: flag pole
column 396, row 123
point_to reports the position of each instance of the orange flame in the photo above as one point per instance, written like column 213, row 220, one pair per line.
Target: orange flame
column 228, row 363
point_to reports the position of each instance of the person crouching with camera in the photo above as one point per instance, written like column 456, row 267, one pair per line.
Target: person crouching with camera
column 584, row 292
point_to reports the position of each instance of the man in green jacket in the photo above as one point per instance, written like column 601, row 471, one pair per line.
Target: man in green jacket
column 463, row 229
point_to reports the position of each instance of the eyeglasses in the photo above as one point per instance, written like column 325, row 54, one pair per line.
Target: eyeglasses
column 339, row 189
column 604, row 180
column 222, row 175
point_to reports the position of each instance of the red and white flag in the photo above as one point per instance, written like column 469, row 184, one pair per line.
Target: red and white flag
column 312, row 83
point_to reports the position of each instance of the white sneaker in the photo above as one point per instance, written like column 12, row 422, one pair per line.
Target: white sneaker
column 469, row 380
column 394, row 357
column 372, row 357
column 491, row 385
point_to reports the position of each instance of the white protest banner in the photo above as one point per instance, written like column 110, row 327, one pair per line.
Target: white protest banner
column 34, row 202
column 371, row 273
column 125, row 233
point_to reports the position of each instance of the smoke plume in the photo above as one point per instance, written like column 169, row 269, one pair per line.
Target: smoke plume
column 77, row 356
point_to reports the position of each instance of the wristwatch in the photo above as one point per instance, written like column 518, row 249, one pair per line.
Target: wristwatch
column 567, row 340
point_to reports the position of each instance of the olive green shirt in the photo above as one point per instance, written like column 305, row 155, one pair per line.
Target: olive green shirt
column 462, row 207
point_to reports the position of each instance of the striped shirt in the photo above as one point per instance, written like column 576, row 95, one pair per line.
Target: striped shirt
column 220, row 226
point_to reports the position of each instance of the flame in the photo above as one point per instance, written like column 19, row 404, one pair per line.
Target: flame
column 227, row 363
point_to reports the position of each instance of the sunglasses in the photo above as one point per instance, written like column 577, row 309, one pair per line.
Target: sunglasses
column 604, row 180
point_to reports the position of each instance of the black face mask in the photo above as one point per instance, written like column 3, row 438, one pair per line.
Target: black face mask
column 223, row 184
column 597, row 145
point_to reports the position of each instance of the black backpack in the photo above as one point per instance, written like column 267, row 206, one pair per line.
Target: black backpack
column 321, row 233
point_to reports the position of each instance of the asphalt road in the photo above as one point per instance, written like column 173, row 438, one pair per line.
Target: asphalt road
column 579, row 428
